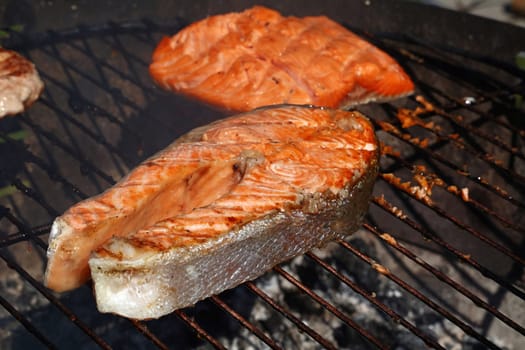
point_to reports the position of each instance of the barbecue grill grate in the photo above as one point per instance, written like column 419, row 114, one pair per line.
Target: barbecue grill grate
column 438, row 262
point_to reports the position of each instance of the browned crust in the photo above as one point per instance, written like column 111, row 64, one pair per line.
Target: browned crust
column 14, row 65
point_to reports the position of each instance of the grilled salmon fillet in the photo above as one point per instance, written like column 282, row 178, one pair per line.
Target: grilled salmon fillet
column 20, row 84
column 240, row 61
column 219, row 206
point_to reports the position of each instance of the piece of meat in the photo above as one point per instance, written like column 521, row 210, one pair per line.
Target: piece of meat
column 20, row 84
column 220, row 206
column 240, row 61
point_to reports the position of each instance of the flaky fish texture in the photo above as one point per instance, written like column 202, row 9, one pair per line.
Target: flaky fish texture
column 240, row 61
column 221, row 205
column 20, row 83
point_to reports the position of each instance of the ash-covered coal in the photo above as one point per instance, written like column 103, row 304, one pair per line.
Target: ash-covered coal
column 361, row 311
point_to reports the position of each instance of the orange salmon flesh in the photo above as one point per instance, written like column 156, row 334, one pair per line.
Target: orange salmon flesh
column 241, row 61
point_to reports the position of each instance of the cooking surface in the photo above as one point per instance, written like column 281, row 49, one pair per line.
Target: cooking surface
column 445, row 252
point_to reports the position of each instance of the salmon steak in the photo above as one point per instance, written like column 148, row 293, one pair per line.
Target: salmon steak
column 20, row 83
column 219, row 206
column 241, row 61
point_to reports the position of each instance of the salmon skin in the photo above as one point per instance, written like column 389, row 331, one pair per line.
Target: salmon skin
column 240, row 61
column 219, row 206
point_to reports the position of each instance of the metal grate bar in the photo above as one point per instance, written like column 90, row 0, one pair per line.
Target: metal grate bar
column 148, row 334
column 19, row 185
column 199, row 330
column 25, row 231
column 70, row 314
column 445, row 65
column 467, row 128
column 465, row 257
column 395, row 131
column 252, row 328
column 28, row 191
column 53, row 53
column 27, row 324
column 74, row 84
column 79, row 103
column 21, row 235
column 335, row 311
column 30, row 157
column 392, row 130
column 481, row 96
column 86, row 165
column 444, row 278
column 301, row 325
column 487, row 157
column 391, row 313
column 457, row 121
column 453, row 190
column 443, row 213
column 385, row 272
column 456, row 103
column 475, row 109
column 94, row 136
column 128, row 56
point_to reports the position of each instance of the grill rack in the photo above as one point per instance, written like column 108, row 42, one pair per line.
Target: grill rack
column 85, row 133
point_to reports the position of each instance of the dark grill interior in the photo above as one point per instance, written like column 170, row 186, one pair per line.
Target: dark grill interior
column 439, row 261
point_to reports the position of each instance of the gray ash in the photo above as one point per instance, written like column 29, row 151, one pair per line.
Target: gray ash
column 351, row 303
